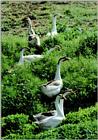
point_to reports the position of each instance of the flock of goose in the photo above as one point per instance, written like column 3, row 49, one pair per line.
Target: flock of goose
column 34, row 41
column 52, row 88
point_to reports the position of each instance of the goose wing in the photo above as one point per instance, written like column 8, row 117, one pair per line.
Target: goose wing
column 39, row 118
column 52, row 83
column 33, row 56
column 49, row 113
column 42, row 116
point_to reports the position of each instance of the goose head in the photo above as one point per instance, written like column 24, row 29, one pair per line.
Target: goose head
column 64, row 58
column 67, row 91
column 58, row 47
column 29, row 20
column 55, row 15
column 23, row 49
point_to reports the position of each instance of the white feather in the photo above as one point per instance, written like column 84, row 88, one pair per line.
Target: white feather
column 55, row 119
column 54, row 87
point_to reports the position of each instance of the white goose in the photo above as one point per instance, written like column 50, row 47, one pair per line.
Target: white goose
column 53, row 87
column 34, row 57
column 54, row 30
column 33, row 38
column 53, row 118
column 28, row 58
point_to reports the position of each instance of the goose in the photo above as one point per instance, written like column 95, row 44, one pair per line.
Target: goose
column 53, row 87
column 54, row 30
column 28, row 58
column 53, row 118
column 34, row 57
column 33, row 39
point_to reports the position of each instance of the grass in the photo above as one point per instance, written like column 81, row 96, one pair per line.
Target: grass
column 76, row 25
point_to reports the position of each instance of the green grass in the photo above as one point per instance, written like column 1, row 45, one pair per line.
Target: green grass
column 13, row 20
column 21, row 84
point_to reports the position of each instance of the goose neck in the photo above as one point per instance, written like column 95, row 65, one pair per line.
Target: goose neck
column 58, row 105
column 49, row 51
column 54, row 24
column 61, row 106
column 58, row 75
column 38, row 40
column 21, row 56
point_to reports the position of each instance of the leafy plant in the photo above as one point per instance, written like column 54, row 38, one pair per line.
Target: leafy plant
column 17, row 124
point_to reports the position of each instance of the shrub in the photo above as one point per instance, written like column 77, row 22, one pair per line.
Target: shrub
column 81, row 124
column 82, row 115
column 84, row 44
column 85, row 130
column 45, row 68
column 50, row 42
column 17, row 124
column 11, row 46
column 20, row 89
column 87, row 44
column 13, row 123
column 81, row 77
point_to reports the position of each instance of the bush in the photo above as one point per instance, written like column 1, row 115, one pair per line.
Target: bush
column 22, row 86
column 81, row 77
column 84, row 44
column 13, row 123
column 50, row 42
column 87, row 45
column 11, row 47
column 20, row 89
column 85, row 130
column 77, row 125
column 17, row 124
column 82, row 115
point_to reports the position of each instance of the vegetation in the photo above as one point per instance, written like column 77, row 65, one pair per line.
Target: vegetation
column 21, row 93
column 81, row 124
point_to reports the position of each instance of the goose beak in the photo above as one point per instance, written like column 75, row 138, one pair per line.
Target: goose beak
column 58, row 14
column 58, row 47
column 61, row 16
column 68, row 91
column 62, row 96
column 65, row 58
column 71, row 91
